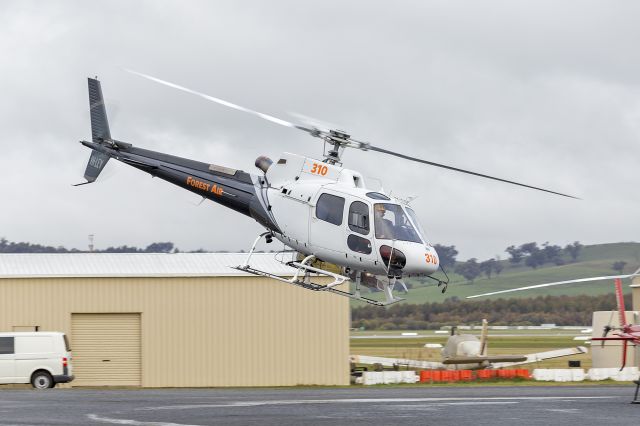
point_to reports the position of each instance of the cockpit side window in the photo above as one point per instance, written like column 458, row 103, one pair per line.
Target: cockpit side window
column 391, row 223
column 359, row 217
column 330, row 208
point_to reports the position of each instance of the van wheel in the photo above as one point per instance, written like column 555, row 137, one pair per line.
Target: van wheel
column 42, row 380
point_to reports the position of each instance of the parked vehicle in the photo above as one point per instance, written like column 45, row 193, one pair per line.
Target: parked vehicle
column 40, row 358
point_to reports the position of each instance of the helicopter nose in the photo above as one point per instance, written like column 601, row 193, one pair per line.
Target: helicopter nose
column 409, row 258
column 425, row 260
column 431, row 257
column 394, row 259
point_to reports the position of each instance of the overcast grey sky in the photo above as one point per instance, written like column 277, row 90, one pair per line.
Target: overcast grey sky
column 546, row 93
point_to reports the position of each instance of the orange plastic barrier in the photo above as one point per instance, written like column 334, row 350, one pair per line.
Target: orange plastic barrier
column 430, row 376
column 466, row 375
column 506, row 374
column 445, row 376
column 426, row 376
column 436, row 376
column 485, row 374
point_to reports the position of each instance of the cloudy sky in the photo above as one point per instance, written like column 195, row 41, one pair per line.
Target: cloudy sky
column 546, row 93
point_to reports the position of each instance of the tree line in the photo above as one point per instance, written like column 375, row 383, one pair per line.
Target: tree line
column 529, row 254
column 23, row 247
column 559, row 310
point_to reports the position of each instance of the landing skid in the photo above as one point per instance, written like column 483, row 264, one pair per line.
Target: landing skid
column 302, row 278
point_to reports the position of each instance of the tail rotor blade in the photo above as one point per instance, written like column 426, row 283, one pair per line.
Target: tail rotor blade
column 624, row 354
column 607, row 329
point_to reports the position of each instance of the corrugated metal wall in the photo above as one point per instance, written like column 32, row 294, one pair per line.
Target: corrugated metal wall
column 223, row 331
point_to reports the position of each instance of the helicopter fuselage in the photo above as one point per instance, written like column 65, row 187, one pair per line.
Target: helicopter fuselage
column 327, row 210
column 311, row 206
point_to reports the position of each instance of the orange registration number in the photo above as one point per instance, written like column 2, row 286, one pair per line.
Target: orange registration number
column 319, row 169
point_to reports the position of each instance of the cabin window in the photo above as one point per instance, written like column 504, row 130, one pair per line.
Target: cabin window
column 6, row 345
column 359, row 217
column 359, row 244
column 330, row 208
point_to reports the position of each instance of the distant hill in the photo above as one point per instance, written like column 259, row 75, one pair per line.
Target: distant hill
column 594, row 260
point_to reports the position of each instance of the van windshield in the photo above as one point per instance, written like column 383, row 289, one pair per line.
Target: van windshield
column 66, row 343
column 392, row 223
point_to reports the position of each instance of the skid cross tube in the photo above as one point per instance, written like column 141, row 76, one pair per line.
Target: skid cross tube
column 302, row 278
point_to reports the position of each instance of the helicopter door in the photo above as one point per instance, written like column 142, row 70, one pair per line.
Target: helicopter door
column 359, row 238
column 326, row 228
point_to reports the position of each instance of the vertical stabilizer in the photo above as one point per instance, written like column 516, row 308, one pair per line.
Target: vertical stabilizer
column 99, row 131
column 99, row 124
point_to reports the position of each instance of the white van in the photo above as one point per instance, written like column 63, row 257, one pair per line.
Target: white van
column 40, row 358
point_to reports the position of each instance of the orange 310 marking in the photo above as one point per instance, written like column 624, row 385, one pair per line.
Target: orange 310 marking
column 431, row 258
column 319, row 169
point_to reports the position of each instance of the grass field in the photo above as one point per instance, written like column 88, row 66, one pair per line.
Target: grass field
column 594, row 260
column 534, row 341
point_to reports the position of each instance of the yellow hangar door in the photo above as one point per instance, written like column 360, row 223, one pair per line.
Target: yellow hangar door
column 106, row 349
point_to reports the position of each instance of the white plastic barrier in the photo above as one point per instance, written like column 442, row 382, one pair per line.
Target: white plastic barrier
column 409, row 377
column 627, row 374
column 558, row 374
column 577, row 375
column 542, row 374
column 388, row 377
column 602, row 373
column 561, row 375
column 391, row 377
column 371, row 377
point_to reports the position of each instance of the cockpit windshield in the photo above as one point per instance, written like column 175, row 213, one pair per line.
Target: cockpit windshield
column 392, row 223
column 416, row 223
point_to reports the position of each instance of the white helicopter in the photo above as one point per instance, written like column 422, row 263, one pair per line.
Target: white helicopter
column 316, row 207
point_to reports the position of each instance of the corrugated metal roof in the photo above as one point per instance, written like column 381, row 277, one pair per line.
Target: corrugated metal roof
column 46, row 265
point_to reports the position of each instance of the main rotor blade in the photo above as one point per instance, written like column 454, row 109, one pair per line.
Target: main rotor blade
column 455, row 169
column 222, row 102
column 580, row 280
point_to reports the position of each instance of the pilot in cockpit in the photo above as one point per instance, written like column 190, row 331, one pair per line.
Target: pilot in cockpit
column 384, row 227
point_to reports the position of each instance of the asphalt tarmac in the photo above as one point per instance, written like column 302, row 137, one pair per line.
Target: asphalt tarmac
column 521, row 405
